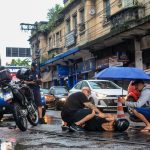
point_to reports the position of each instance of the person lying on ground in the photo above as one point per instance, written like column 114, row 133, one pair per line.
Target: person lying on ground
column 78, row 109
column 140, row 111
column 107, row 123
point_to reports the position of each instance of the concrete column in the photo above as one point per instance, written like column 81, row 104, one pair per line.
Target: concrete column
column 138, row 54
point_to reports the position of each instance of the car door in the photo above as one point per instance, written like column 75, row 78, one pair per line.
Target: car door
column 76, row 88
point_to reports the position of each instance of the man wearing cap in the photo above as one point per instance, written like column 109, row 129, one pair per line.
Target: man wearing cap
column 140, row 111
column 74, row 111
column 34, row 84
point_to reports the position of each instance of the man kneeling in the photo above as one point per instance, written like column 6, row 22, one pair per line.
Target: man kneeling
column 78, row 110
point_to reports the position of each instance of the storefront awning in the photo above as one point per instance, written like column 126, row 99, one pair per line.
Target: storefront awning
column 61, row 56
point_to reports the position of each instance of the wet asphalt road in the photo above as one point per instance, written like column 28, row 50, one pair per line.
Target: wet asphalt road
column 50, row 136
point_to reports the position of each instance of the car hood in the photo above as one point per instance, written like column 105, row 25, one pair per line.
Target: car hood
column 61, row 95
column 110, row 91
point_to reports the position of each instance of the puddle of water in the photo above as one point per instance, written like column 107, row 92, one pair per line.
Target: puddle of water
column 8, row 145
column 51, row 120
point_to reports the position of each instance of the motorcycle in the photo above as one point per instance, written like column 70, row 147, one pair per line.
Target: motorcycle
column 32, row 112
column 22, row 107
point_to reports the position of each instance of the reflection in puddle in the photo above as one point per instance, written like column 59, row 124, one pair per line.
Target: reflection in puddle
column 8, row 145
column 51, row 120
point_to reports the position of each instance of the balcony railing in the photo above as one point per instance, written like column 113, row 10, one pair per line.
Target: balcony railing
column 70, row 39
column 126, row 16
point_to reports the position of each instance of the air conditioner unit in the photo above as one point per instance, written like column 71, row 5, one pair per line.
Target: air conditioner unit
column 128, row 3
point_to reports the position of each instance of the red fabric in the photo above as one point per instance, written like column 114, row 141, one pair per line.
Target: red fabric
column 133, row 92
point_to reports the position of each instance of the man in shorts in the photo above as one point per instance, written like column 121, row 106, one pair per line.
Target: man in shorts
column 34, row 84
column 142, row 106
column 78, row 109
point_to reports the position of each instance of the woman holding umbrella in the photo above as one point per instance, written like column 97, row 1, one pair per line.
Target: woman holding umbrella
column 142, row 113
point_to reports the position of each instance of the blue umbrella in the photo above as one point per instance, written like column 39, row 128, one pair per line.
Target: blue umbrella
column 122, row 73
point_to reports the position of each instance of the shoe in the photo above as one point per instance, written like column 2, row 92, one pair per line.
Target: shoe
column 76, row 128
column 65, row 128
column 42, row 121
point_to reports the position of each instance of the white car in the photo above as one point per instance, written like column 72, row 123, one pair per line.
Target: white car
column 104, row 93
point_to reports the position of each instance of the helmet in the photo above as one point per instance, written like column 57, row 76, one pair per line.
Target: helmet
column 121, row 125
column 23, row 73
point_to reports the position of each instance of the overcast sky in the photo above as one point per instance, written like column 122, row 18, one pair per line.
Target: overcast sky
column 14, row 12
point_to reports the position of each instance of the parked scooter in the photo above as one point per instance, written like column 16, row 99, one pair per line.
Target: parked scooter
column 21, row 106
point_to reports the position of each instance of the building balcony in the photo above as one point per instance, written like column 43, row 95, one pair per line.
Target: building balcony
column 70, row 39
column 126, row 16
column 54, row 52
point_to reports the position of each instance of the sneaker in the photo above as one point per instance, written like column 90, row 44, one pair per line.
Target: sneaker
column 76, row 128
column 65, row 128
column 42, row 121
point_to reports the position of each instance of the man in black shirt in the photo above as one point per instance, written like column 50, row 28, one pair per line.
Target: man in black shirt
column 74, row 111
column 34, row 82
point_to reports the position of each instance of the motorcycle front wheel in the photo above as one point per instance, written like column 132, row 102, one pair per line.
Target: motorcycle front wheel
column 32, row 114
column 20, row 117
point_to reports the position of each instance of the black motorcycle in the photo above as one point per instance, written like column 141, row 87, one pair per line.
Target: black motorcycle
column 22, row 107
column 32, row 112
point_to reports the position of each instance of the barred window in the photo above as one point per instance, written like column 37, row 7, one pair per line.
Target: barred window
column 18, row 52
column 15, row 52
column 8, row 52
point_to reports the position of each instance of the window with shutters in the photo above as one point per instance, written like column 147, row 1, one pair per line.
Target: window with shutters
column 68, row 28
column 75, row 21
column 57, row 39
column 107, row 8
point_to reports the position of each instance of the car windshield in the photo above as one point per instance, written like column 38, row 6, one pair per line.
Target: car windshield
column 103, row 85
column 45, row 91
column 60, row 91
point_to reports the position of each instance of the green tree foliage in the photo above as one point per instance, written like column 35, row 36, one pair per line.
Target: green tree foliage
column 53, row 15
column 19, row 62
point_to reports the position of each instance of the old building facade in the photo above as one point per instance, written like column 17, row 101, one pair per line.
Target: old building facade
column 91, row 35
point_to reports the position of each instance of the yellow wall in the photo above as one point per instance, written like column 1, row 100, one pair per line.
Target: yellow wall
column 96, row 25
